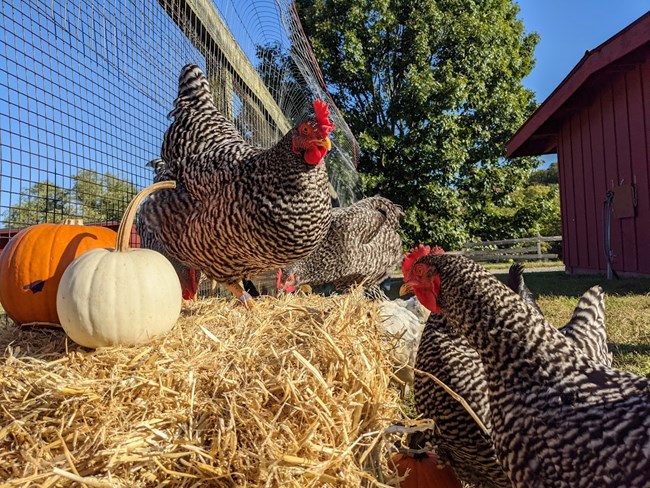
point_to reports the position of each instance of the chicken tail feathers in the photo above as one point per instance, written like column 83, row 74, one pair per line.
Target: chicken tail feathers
column 193, row 87
column 587, row 326
column 517, row 284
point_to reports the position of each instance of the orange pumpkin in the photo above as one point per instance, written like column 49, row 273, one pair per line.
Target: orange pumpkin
column 33, row 261
column 424, row 471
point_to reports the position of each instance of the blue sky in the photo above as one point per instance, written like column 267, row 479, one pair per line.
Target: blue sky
column 567, row 29
column 79, row 82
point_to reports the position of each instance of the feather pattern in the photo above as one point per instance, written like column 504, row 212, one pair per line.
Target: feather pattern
column 559, row 418
column 446, row 354
column 237, row 210
column 361, row 246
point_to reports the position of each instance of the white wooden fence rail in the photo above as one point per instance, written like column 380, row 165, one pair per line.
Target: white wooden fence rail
column 491, row 250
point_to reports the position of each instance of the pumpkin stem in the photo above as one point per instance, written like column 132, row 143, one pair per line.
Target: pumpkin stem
column 71, row 221
column 126, row 224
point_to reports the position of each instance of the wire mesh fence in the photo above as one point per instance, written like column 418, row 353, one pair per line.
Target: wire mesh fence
column 86, row 86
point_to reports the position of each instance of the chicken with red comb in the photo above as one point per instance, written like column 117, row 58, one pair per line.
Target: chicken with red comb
column 425, row 290
column 546, row 395
column 237, row 210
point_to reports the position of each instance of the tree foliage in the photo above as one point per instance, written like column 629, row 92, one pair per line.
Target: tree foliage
column 101, row 196
column 546, row 176
column 96, row 197
column 41, row 203
column 433, row 92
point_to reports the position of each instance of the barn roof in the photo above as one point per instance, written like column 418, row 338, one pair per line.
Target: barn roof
column 538, row 135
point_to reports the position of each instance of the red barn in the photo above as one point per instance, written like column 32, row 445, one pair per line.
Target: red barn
column 598, row 122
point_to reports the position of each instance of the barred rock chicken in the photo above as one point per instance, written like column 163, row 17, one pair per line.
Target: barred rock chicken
column 558, row 417
column 586, row 329
column 188, row 277
column 447, row 355
column 238, row 210
column 361, row 247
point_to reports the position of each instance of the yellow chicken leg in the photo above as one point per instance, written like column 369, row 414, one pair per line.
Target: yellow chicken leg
column 237, row 289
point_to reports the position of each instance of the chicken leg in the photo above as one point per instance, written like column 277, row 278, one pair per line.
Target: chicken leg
column 237, row 289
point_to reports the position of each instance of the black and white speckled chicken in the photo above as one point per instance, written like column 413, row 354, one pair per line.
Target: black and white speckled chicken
column 237, row 210
column 188, row 277
column 447, row 355
column 586, row 329
column 558, row 417
column 362, row 246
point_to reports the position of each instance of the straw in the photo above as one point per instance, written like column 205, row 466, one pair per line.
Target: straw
column 296, row 393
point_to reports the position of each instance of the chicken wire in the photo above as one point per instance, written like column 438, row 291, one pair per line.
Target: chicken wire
column 86, row 86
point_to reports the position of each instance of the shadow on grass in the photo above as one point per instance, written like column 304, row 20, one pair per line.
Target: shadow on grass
column 558, row 283
column 623, row 349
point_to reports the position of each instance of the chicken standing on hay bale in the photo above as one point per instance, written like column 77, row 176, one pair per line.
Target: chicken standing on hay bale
column 237, row 210
column 361, row 247
column 559, row 417
column 296, row 395
column 190, row 278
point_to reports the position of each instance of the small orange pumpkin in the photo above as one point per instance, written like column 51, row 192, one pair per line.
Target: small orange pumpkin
column 424, row 471
column 32, row 263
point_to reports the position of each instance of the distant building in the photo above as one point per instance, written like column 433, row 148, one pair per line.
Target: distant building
column 598, row 122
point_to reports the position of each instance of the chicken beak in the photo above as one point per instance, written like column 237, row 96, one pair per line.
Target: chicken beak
column 326, row 143
column 405, row 289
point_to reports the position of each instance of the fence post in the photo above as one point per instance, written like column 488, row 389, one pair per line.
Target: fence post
column 539, row 244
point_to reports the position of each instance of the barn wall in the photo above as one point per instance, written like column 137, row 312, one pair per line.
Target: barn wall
column 604, row 143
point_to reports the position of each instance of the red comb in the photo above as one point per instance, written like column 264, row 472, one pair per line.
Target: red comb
column 322, row 114
column 416, row 253
column 411, row 257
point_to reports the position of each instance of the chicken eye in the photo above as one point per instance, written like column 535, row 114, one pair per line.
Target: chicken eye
column 420, row 269
column 305, row 129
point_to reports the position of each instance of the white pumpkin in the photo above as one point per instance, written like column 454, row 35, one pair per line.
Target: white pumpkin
column 119, row 297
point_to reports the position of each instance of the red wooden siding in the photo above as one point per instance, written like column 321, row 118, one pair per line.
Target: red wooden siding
column 601, row 144
column 598, row 122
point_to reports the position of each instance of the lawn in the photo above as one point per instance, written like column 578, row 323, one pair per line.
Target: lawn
column 627, row 311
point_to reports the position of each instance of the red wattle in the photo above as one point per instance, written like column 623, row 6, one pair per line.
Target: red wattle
column 314, row 155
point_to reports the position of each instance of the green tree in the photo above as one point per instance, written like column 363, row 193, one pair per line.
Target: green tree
column 524, row 213
column 41, row 203
column 96, row 197
column 433, row 92
column 546, row 176
column 101, row 196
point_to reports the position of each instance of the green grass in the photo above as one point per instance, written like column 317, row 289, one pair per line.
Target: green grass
column 627, row 311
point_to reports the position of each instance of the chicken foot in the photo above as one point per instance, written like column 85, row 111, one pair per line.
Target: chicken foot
column 237, row 289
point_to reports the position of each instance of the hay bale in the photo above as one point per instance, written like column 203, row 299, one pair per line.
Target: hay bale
column 293, row 394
